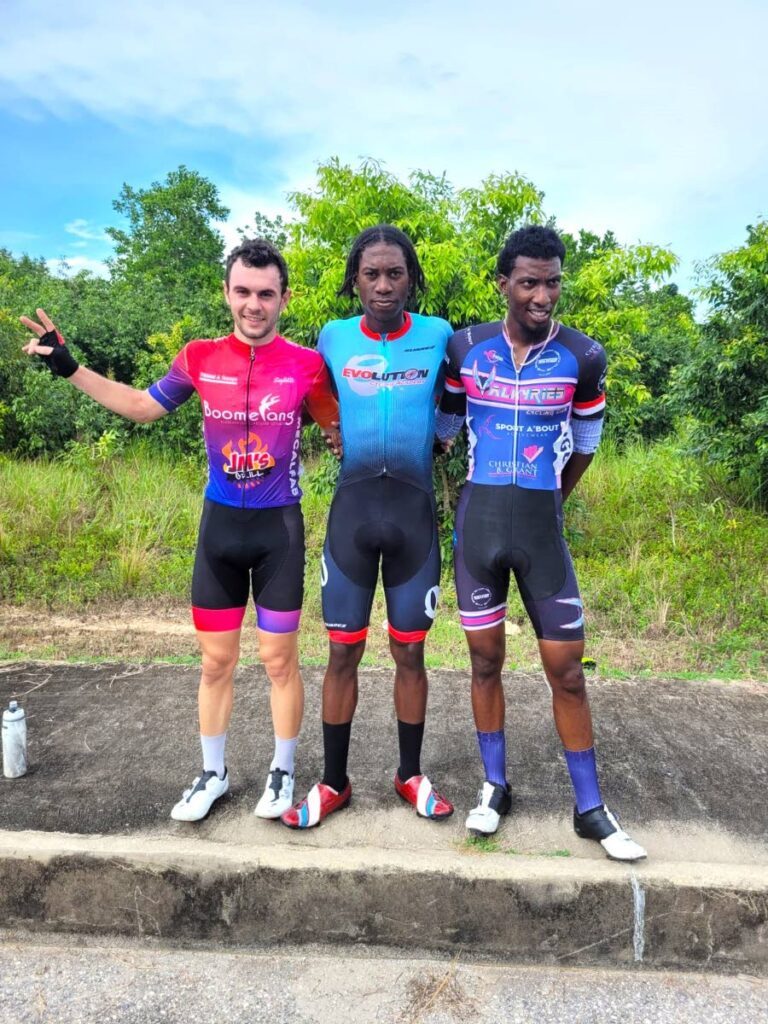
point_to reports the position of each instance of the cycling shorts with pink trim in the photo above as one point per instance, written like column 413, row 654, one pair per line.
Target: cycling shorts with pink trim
column 241, row 550
column 519, row 530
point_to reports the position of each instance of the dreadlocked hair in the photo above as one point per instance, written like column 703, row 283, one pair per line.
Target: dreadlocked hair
column 390, row 236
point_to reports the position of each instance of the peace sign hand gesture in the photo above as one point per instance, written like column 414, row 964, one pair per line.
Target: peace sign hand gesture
column 49, row 345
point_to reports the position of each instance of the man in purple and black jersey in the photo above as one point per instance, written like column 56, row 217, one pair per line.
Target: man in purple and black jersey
column 533, row 394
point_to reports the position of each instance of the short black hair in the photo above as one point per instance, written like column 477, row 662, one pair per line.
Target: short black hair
column 258, row 252
column 535, row 242
column 391, row 236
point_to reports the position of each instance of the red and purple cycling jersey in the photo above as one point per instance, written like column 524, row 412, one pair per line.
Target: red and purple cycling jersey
column 252, row 398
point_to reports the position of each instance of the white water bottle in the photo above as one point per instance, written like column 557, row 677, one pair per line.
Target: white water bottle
column 14, row 741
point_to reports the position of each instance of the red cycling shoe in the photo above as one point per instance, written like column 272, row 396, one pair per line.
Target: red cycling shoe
column 319, row 802
column 418, row 792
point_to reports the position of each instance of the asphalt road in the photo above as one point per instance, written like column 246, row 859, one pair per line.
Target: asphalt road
column 60, row 981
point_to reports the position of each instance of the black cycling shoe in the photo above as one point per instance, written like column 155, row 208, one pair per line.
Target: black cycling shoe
column 599, row 824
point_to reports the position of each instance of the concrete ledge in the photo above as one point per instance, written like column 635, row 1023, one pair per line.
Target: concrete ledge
column 571, row 911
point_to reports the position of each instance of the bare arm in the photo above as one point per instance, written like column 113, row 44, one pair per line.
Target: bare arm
column 574, row 470
column 123, row 399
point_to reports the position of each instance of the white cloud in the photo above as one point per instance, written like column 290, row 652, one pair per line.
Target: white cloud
column 68, row 266
column 82, row 229
column 242, row 205
column 621, row 114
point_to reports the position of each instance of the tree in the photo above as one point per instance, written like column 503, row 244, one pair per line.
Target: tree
column 170, row 256
column 458, row 234
column 724, row 385
column 666, row 343
column 605, row 292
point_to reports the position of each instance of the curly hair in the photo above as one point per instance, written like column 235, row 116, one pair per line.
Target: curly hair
column 535, row 242
column 258, row 252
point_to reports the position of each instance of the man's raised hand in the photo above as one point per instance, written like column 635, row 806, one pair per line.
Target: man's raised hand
column 49, row 345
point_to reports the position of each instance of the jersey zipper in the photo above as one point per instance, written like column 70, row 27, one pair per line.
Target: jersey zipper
column 385, row 415
column 516, row 432
column 247, row 418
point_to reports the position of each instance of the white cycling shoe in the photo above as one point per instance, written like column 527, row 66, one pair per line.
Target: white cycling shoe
column 493, row 801
column 197, row 801
column 277, row 796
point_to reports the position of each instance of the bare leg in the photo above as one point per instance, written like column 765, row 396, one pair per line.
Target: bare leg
column 486, row 652
column 340, row 682
column 565, row 675
column 280, row 656
column 220, row 652
column 410, row 681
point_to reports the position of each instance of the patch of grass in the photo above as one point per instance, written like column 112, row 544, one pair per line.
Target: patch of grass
column 481, row 844
column 670, row 563
column 493, row 844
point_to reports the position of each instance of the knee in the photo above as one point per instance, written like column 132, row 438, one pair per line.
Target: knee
column 218, row 667
column 568, row 681
column 486, row 668
column 343, row 660
column 407, row 657
column 281, row 666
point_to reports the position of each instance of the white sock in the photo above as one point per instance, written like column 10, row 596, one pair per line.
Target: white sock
column 285, row 753
column 213, row 753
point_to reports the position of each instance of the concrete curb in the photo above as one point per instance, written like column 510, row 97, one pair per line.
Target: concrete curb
column 522, row 908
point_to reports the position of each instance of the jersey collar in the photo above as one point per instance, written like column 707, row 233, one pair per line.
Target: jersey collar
column 243, row 346
column 407, row 322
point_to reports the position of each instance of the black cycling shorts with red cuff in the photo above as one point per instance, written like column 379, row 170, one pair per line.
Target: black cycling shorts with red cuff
column 508, row 529
column 243, row 550
column 380, row 519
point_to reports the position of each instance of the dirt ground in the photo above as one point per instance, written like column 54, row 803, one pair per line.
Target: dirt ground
column 141, row 632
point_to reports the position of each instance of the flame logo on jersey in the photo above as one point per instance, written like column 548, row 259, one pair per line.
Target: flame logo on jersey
column 247, row 462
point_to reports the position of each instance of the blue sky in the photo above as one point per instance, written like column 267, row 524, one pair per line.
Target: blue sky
column 650, row 119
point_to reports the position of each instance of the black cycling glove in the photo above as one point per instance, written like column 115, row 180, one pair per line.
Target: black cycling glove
column 60, row 362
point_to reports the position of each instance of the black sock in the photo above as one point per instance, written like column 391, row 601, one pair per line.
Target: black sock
column 410, row 738
column 336, row 748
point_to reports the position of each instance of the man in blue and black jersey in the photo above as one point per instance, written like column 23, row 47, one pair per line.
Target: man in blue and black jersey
column 387, row 368
column 533, row 393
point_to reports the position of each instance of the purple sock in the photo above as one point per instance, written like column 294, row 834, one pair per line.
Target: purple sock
column 493, row 750
column 582, row 768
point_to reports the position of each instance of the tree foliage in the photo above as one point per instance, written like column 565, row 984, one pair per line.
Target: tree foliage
column 164, row 288
column 458, row 235
column 724, row 384
column 169, row 237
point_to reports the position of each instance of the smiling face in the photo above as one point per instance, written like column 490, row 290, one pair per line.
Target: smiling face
column 531, row 290
column 383, row 285
column 255, row 296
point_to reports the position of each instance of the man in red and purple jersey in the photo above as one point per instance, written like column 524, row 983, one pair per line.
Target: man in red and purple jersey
column 254, row 386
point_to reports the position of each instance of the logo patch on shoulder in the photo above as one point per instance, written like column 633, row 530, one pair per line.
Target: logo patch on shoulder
column 547, row 361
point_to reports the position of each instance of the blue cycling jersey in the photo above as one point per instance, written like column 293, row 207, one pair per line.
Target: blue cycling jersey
column 521, row 422
column 387, row 386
